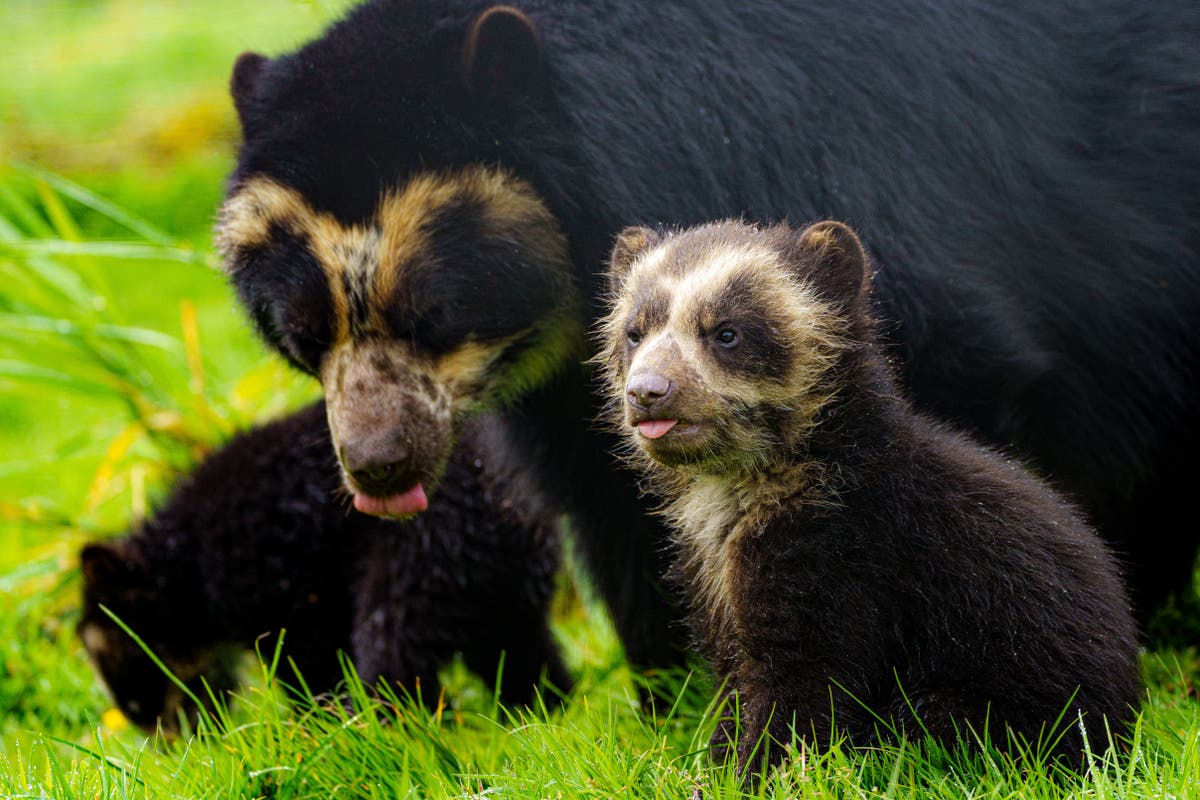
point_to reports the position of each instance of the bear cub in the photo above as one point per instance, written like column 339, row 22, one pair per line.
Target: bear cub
column 255, row 541
column 847, row 560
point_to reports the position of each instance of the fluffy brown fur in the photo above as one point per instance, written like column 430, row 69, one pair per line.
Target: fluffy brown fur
column 847, row 559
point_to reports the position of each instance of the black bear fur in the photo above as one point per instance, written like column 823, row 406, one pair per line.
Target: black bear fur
column 1025, row 176
column 257, row 539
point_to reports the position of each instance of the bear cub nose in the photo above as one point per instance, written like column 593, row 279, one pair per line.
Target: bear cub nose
column 646, row 390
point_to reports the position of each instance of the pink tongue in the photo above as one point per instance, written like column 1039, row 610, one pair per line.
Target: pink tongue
column 397, row 505
column 654, row 428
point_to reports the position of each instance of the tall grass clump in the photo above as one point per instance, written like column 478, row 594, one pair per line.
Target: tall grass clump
column 377, row 742
column 102, row 340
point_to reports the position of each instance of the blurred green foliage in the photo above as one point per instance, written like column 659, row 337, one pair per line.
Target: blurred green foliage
column 129, row 97
column 122, row 353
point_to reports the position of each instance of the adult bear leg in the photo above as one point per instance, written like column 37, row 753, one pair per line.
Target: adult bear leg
column 519, row 653
column 625, row 549
column 1155, row 533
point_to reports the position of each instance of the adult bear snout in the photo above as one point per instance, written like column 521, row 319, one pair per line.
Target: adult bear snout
column 380, row 464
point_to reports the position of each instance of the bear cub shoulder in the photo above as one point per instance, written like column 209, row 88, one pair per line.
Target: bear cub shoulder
column 831, row 541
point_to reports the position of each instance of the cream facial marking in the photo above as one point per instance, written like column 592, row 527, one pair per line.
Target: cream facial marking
column 466, row 369
column 692, row 290
column 364, row 263
column 705, row 279
column 94, row 639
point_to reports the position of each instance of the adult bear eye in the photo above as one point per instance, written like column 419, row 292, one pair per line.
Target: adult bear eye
column 634, row 338
column 727, row 337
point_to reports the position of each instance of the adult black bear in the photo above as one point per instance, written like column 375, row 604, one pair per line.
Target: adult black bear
column 419, row 188
column 848, row 560
column 258, row 540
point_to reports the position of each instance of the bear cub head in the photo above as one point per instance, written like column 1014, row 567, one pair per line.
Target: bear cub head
column 723, row 344
column 116, row 583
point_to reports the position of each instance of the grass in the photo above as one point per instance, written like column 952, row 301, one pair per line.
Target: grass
column 600, row 745
column 123, row 360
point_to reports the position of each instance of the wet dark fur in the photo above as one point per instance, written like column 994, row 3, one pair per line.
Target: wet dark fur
column 905, row 573
column 258, row 539
column 1026, row 177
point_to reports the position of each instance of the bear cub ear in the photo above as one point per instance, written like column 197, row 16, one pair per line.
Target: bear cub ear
column 836, row 261
column 105, row 569
column 631, row 243
column 243, row 84
column 502, row 55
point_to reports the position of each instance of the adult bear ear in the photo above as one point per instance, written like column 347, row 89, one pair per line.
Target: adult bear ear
column 501, row 55
column 631, row 243
column 248, row 70
column 835, row 260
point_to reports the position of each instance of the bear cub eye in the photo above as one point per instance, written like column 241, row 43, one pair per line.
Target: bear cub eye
column 633, row 337
column 727, row 337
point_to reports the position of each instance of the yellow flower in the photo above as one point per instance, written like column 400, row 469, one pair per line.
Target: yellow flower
column 114, row 720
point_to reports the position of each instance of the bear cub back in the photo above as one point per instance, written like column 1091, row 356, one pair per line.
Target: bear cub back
column 847, row 559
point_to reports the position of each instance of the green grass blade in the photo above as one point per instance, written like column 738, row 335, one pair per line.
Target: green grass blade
column 99, row 757
column 180, row 685
column 46, row 284
column 8, row 231
column 128, row 251
column 19, row 325
column 100, row 205
column 33, row 373
column 60, row 218
column 24, row 212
